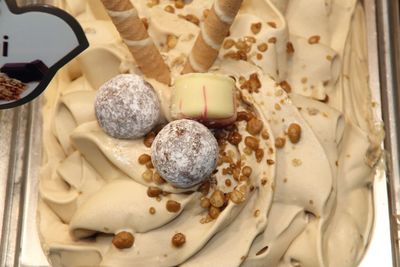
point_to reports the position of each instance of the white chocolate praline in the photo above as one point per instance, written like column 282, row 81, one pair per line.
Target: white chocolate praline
column 206, row 97
column 127, row 107
column 184, row 152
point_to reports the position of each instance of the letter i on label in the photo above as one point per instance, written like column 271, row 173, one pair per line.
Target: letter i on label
column 5, row 46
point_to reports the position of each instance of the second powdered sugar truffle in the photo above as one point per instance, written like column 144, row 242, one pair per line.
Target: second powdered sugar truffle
column 127, row 107
column 185, row 153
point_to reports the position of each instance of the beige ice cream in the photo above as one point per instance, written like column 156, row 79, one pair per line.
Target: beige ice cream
column 292, row 201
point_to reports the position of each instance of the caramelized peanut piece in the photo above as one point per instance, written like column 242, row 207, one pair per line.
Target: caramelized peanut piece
column 252, row 142
column 314, row 39
column 217, row 199
column 169, row 9
column 144, row 158
column 294, row 133
column 173, row 206
column 153, row 191
column 149, row 138
column 256, row 27
column 214, row 212
column 254, row 126
column 178, row 240
column 123, row 240
column 280, row 142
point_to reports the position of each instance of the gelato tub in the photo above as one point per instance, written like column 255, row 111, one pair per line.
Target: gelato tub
column 21, row 153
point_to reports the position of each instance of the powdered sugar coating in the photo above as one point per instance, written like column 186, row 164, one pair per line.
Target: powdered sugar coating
column 184, row 152
column 127, row 107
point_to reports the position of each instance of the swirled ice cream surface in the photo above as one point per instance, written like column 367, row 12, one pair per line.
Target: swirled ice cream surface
column 307, row 204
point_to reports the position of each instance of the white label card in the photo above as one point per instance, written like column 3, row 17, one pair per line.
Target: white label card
column 35, row 41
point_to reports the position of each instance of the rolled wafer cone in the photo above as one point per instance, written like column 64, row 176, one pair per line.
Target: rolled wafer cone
column 132, row 30
column 212, row 34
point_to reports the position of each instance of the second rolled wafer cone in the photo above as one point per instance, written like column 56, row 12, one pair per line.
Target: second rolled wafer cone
column 134, row 33
column 212, row 34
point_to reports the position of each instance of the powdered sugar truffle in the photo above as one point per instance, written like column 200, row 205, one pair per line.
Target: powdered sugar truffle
column 184, row 153
column 127, row 107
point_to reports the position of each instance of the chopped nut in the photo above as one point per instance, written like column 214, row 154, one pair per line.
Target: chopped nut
column 289, row 48
column 255, row 83
column 241, row 55
column 178, row 240
column 256, row 27
column 152, row 210
column 147, row 176
column 280, row 142
column 294, row 133
column 229, row 43
column 123, row 240
column 254, row 126
column 234, row 138
column 204, row 188
column 286, row 86
column 179, row 3
column 205, row 203
column 228, row 182
column 314, row 39
column 244, row 116
column 192, row 18
column 247, row 150
column 158, row 179
column 297, row 162
column 206, row 12
column 217, row 199
column 246, row 171
column 251, row 142
column 272, row 24
column 169, row 9
column 153, row 191
column 173, row 206
column 144, row 158
column 149, row 139
column 241, row 45
column 172, row 41
column 272, row 40
column 237, row 196
column 152, row 3
column 270, row 162
column 265, row 134
column 214, row 212
column 149, row 165
column 250, row 39
column 259, row 154
column 262, row 47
